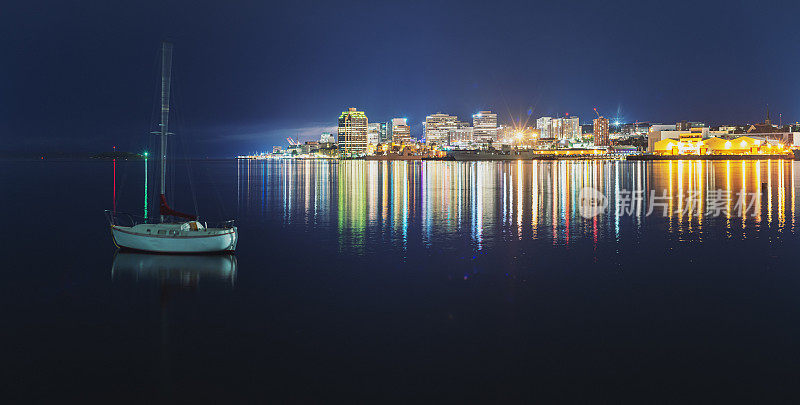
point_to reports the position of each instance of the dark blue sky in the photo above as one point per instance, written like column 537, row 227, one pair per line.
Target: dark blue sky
column 81, row 76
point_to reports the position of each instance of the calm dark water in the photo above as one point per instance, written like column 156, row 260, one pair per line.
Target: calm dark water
column 399, row 282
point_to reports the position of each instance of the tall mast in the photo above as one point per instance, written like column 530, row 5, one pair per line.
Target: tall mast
column 166, row 73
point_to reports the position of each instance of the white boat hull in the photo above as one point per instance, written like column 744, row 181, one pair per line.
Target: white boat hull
column 147, row 238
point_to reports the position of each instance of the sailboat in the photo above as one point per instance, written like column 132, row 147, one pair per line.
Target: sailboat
column 175, row 232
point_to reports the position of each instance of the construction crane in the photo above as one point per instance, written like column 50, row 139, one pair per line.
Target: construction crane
column 291, row 141
column 595, row 111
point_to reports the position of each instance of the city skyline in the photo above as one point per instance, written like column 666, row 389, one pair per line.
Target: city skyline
column 565, row 127
column 358, row 137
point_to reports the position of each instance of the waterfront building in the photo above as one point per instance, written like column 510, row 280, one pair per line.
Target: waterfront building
column 484, row 127
column 566, row 128
column 600, row 132
column 462, row 134
column 293, row 150
column 398, row 131
column 309, row 147
column 569, row 128
column 383, row 136
column 545, row 127
column 377, row 133
column 664, row 139
column 556, row 126
column 437, row 128
column 507, row 134
column 655, row 134
column 374, row 132
column 352, row 133
column 682, row 142
column 789, row 139
column 690, row 143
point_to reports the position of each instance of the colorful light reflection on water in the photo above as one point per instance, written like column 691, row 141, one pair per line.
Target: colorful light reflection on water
column 496, row 201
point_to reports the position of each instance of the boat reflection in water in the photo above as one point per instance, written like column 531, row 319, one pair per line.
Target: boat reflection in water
column 186, row 271
column 175, row 278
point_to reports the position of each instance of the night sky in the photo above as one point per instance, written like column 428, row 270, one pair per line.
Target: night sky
column 82, row 76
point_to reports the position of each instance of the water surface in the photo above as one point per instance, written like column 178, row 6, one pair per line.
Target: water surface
column 396, row 281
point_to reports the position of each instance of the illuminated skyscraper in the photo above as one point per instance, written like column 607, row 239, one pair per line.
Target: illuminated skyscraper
column 461, row 134
column 383, row 136
column 374, row 132
column 545, row 127
column 600, row 132
column 352, row 133
column 398, row 130
column 569, row 128
column 437, row 128
column 484, row 127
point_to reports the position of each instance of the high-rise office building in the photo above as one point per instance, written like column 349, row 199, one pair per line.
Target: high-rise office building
column 374, row 132
column 545, row 127
column 398, row 130
column 484, row 127
column 566, row 128
column 352, row 133
column 461, row 134
column 557, row 126
column 383, row 136
column 600, row 133
column 569, row 128
column 437, row 128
